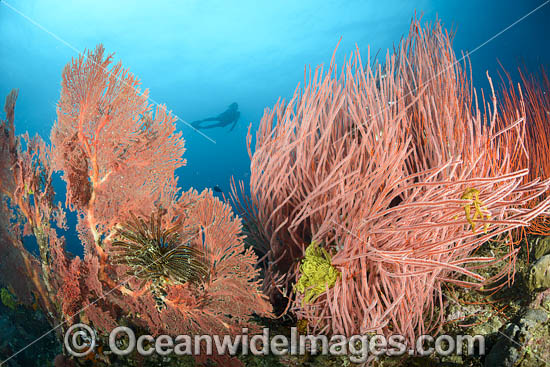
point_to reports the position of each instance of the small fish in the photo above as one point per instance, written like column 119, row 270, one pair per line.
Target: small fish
column 217, row 189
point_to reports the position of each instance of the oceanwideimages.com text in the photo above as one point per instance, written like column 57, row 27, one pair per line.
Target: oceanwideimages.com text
column 80, row 340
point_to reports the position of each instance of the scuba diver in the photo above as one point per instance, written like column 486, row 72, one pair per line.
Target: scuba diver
column 229, row 116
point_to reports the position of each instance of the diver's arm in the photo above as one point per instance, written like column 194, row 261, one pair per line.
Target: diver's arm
column 219, row 124
column 234, row 124
column 209, row 119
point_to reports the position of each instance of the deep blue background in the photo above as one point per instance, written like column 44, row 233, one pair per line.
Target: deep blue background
column 200, row 56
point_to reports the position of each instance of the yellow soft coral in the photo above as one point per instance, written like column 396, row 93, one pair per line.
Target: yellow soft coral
column 473, row 194
column 8, row 299
column 316, row 272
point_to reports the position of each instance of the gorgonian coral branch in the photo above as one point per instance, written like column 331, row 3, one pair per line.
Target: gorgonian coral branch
column 117, row 156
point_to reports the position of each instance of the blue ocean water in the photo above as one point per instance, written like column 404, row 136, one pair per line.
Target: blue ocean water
column 198, row 57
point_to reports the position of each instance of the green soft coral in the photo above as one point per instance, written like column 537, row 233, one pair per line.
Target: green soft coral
column 316, row 272
column 8, row 299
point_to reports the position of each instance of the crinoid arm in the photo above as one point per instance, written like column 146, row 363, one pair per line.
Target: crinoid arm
column 156, row 251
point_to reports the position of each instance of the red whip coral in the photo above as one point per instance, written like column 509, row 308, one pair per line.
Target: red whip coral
column 395, row 171
column 532, row 99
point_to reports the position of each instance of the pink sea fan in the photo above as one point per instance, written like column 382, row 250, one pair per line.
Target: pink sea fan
column 228, row 297
column 220, row 304
column 115, row 154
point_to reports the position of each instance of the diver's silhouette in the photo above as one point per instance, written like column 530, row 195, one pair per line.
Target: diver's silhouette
column 231, row 115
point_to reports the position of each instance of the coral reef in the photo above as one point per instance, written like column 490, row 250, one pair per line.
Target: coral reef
column 394, row 168
column 530, row 100
column 383, row 199
column 184, row 270
column 155, row 252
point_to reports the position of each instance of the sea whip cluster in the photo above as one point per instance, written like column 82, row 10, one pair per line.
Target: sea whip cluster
column 401, row 176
